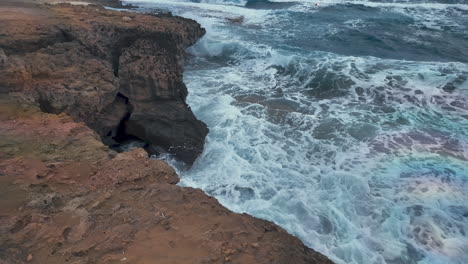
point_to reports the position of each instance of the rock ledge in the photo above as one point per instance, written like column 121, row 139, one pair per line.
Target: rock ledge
column 65, row 197
column 119, row 72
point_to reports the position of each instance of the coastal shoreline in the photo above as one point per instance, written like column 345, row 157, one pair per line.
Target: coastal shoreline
column 67, row 197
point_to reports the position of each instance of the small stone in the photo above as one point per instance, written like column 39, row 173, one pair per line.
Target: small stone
column 126, row 18
column 228, row 251
column 227, row 259
column 116, row 207
column 255, row 245
column 29, row 258
column 111, row 154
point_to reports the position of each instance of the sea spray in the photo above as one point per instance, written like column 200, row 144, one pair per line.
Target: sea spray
column 346, row 123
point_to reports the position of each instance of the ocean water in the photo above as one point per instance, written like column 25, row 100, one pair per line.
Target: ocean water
column 345, row 123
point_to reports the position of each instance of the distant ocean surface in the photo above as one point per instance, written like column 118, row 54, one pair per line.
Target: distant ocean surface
column 344, row 122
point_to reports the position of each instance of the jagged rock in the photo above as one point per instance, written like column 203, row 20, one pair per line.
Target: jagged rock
column 104, row 70
column 67, row 198
column 168, row 124
column 95, row 207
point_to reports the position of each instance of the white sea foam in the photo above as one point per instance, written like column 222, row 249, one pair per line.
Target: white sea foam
column 375, row 172
column 343, row 197
column 215, row 9
column 392, row 4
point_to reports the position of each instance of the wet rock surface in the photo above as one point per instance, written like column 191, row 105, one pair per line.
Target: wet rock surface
column 105, row 68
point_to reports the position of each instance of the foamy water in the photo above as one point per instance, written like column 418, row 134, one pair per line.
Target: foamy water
column 346, row 124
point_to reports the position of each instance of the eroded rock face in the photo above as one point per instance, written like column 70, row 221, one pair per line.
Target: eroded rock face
column 67, row 198
column 118, row 72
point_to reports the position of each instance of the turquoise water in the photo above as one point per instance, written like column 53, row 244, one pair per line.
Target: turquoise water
column 346, row 123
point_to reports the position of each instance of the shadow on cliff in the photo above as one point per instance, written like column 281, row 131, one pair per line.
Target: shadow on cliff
column 120, row 73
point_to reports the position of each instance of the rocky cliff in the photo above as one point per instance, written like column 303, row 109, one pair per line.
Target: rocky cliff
column 121, row 74
column 65, row 197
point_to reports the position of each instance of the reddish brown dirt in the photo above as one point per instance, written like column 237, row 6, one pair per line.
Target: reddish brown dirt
column 119, row 72
column 67, row 198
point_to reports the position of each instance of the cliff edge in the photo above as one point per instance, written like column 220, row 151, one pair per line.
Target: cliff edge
column 120, row 73
column 65, row 197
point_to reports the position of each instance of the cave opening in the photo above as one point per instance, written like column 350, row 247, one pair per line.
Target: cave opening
column 121, row 141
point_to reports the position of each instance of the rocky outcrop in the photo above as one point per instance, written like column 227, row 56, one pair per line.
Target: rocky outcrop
column 67, row 198
column 121, row 73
